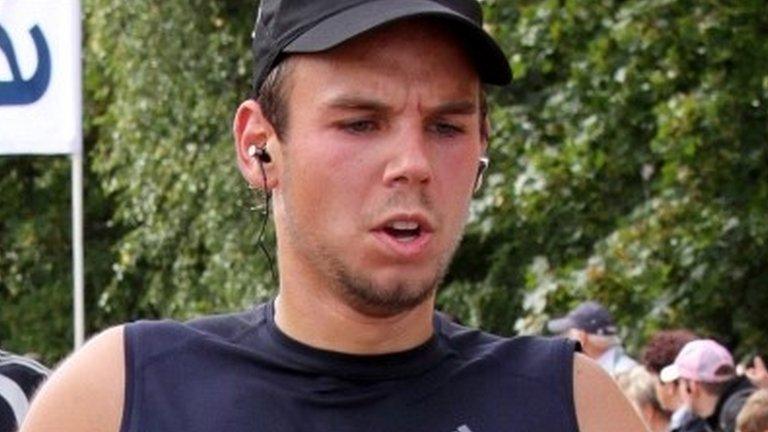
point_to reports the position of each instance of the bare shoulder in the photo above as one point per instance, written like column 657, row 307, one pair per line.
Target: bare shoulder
column 85, row 393
column 600, row 404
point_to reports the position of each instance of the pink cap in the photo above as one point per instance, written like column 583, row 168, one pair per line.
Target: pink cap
column 701, row 360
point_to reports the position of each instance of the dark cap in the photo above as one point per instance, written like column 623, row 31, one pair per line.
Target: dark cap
column 589, row 316
column 306, row 26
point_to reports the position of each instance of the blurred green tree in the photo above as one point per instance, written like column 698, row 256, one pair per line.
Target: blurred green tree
column 631, row 161
column 170, row 225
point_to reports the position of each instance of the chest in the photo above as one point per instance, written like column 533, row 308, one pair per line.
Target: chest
column 479, row 398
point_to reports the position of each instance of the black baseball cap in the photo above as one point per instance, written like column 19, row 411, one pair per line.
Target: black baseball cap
column 307, row 26
column 590, row 316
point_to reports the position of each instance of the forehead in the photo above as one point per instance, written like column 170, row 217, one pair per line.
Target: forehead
column 413, row 58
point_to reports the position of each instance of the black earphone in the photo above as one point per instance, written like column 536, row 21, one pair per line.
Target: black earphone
column 259, row 153
column 263, row 157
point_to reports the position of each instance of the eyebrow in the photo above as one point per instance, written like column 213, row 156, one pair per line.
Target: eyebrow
column 456, row 108
column 356, row 103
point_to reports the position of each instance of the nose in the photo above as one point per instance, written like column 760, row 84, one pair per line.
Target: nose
column 411, row 162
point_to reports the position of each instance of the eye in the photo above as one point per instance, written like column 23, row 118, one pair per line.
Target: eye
column 359, row 126
column 446, row 129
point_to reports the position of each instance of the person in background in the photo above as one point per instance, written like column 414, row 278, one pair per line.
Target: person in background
column 659, row 352
column 639, row 387
column 708, row 376
column 19, row 379
column 592, row 325
column 754, row 414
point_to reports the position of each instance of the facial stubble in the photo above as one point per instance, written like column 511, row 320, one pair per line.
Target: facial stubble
column 354, row 286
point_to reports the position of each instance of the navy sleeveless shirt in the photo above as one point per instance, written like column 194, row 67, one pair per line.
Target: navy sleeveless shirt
column 239, row 373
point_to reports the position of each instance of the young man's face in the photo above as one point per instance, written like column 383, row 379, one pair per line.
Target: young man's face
column 378, row 165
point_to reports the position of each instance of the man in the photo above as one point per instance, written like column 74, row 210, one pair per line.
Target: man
column 708, row 375
column 19, row 378
column 660, row 351
column 368, row 131
column 592, row 325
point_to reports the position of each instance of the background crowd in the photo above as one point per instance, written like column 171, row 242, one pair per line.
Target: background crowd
column 682, row 381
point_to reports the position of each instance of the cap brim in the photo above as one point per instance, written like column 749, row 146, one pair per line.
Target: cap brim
column 560, row 325
column 669, row 373
column 491, row 63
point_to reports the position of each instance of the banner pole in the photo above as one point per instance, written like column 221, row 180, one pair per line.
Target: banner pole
column 77, row 249
column 77, row 200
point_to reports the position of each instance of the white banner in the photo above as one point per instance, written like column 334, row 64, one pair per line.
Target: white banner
column 40, row 77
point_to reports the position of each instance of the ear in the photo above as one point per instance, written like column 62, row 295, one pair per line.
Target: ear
column 482, row 166
column 485, row 132
column 250, row 128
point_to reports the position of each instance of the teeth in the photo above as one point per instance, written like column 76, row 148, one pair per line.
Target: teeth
column 404, row 225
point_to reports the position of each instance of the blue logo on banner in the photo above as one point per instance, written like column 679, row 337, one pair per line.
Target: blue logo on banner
column 19, row 91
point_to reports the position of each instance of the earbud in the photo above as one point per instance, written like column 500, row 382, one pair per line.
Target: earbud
column 482, row 165
column 259, row 153
column 263, row 157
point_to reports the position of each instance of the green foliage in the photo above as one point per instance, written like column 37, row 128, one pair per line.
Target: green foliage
column 170, row 229
column 175, row 71
column 632, row 164
column 35, row 251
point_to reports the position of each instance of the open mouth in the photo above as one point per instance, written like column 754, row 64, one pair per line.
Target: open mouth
column 403, row 231
column 407, row 235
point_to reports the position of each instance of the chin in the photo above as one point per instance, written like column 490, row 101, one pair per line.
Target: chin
column 387, row 296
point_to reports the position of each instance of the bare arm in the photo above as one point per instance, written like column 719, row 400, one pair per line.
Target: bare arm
column 600, row 405
column 85, row 393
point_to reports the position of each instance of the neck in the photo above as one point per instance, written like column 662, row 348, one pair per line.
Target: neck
column 338, row 327
column 313, row 314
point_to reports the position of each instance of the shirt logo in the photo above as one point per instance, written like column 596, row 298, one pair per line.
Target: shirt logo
column 463, row 428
